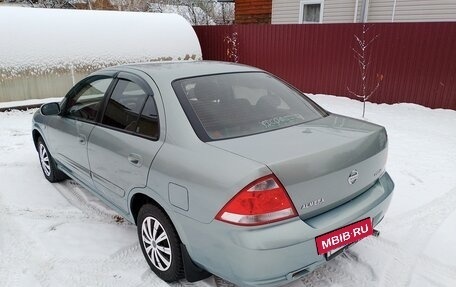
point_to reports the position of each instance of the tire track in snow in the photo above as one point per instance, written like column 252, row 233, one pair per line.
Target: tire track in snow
column 127, row 258
column 95, row 211
column 24, row 261
column 22, row 258
column 219, row 282
column 443, row 204
column 149, row 279
column 126, row 252
column 91, row 206
column 42, row 213
column 431, row 265
column 422, row 222
column 208, row 282
column 67, row 216
column 344, row 270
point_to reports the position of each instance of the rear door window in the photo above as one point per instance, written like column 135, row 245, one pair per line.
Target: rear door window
column 131, row 109
column 241, row 104
column 124, row 106
column 148, row 121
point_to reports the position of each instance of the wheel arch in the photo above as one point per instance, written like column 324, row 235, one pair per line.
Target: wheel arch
column 140, row 196
column 35, row 135
column 192, row 272
column 138, row 200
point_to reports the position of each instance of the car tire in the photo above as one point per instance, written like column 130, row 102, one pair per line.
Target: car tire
column 48, row 166
column 160, row 243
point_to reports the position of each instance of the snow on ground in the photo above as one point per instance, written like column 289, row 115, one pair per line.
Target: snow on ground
column 60, row 235
column 28, row 102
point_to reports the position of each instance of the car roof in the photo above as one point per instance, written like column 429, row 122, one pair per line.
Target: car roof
column 170, row 71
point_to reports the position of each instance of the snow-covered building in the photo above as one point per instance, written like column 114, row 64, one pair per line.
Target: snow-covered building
column 352, row 11
column 45, row 60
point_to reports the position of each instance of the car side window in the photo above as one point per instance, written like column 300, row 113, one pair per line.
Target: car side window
column 148, row 122
column 130, row 108
column 87, row 101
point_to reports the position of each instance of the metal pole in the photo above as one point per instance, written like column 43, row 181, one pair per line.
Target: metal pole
column 394, row 11
column 364, row 11
column 356, row 12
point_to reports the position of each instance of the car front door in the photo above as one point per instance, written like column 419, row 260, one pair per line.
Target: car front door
column 68, row 134
column 124, row 143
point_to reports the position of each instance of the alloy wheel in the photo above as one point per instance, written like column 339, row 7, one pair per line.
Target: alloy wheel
column 44, row 159
column 156, row 243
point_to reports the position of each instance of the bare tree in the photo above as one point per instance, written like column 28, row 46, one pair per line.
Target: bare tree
column 197, row 12
column 49, row 3
column 362, row 54
column 233, row 47
column 224, row 13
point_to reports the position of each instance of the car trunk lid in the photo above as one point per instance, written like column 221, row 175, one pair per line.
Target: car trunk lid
column 323, row 163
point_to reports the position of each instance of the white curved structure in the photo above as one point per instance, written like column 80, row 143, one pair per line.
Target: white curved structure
column 53, row 43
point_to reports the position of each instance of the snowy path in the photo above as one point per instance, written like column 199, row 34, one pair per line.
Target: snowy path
column 60, row 235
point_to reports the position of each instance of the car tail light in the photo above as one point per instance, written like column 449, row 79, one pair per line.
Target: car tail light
column 263, row 201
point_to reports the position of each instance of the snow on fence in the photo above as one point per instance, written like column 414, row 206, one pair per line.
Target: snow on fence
column 43, row 52
column 405, row 62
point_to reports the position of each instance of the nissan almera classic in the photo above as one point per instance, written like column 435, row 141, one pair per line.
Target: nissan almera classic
column 224, row 168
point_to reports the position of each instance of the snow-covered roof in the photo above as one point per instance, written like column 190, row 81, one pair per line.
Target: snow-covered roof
column 38, row 41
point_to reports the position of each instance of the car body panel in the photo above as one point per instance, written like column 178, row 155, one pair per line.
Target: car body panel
column 113, row 173
column 210, row 186
column 121, row 161
column 192, row 180
column 69, row 145
column 267, row 255
column 313, row 160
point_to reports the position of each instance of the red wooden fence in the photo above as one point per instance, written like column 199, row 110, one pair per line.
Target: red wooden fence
column 413, row 62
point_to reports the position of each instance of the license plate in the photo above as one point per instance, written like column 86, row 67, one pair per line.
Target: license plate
column 342, row 237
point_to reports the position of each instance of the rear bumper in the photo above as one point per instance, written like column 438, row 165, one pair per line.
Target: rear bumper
column 277, row 254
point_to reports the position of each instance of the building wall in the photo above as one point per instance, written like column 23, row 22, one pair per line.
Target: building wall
column 342, row 11
column 425, row 10
column 335, row 11
column 382, row 10
column 253, row 11
column 339, row 11
column 285, row 11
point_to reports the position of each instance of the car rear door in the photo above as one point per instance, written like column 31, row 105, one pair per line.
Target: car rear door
column 124, row 143
column 68, row 134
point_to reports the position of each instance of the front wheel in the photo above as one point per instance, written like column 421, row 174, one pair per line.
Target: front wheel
column 160, row 243
column 50, row 170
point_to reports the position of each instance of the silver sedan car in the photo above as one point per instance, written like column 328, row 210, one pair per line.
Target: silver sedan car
column 224, row 168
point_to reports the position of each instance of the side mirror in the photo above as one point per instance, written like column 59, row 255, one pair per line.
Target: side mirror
column 50, row 109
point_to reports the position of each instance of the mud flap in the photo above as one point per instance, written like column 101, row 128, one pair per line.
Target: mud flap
column 193, row 273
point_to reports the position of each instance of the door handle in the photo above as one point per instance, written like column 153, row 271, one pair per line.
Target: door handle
column 135, row 159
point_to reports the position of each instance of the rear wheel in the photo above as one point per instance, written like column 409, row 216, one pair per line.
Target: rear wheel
column 160, row 243
column 50, row 170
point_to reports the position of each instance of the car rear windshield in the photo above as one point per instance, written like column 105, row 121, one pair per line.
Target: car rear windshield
column 232, row 105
